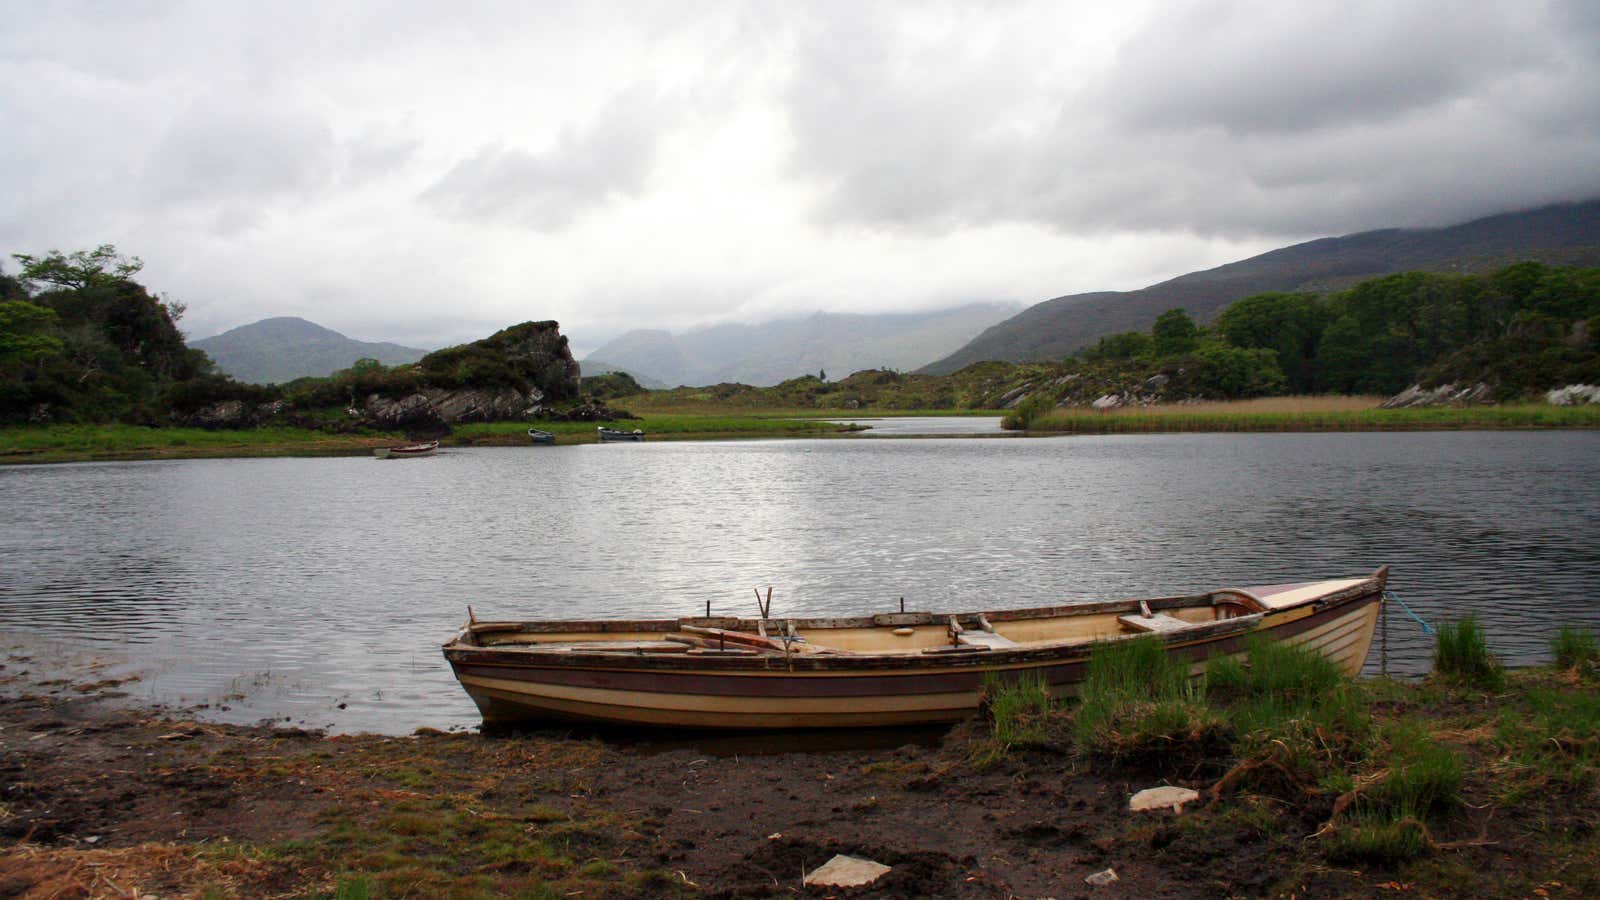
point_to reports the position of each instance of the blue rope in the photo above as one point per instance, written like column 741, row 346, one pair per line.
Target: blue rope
column 1391, row 595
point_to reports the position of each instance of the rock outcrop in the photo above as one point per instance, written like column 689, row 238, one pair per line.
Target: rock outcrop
column 1573, row 395
column 1443, row 395
column 432, row 407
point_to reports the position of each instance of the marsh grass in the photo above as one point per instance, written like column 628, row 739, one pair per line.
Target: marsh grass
column 1018, row 708
column 1311, row 414
column 1574, row 648
column 1461, row 655
column 1301, row 723
column 1138, row 701
column 109, row 439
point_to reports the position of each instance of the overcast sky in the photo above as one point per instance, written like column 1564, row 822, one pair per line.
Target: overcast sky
column 430, row 172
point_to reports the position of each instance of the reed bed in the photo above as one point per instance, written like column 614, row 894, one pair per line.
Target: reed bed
column 88, row 441
column 1311, row 414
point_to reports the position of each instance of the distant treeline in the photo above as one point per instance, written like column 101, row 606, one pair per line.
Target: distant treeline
column 1522, row 329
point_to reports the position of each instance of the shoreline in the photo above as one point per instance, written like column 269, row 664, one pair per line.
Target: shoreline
column 154, row 801
column 34, row 445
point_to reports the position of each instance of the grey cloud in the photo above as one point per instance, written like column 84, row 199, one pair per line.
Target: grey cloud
column 1251, row 68
column 1221, row 119
column 586, row 168
column 232, row 161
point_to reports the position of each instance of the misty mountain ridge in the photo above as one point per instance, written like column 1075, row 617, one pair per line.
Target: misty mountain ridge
column 771, row 352
column 1564, row 234
column 281, row 349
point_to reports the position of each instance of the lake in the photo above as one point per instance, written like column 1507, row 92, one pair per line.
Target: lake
column 317, row 590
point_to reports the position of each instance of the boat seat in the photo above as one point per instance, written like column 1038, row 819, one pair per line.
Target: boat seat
column 1156, row 622
column 986, row 639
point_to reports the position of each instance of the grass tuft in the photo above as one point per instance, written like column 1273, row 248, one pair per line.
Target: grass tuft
column 1574, row 648
column 1461, row 654
column 1138, row 701
column 1018, row 709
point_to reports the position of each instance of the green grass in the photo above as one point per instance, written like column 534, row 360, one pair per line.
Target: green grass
column 93, row 440
column 1137, row 701
column 1461, row 655
column 1176, row 419
column 1574, row 647
column 1019, row 710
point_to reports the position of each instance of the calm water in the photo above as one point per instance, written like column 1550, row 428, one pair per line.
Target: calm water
column 321, row 588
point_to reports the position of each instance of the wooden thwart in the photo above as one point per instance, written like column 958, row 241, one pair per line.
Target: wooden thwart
column 987, row 639
column 1159, row 622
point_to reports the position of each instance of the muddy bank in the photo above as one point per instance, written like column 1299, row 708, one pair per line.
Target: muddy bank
column 97, row 800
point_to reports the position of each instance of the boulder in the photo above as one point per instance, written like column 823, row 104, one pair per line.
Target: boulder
column 1573, row 395
column 1107, row 401
column 1016, row 395
column 1443, row 395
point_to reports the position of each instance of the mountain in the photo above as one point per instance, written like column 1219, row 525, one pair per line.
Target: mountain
column 278, row 350
column 772, row 352
column 1567, row 234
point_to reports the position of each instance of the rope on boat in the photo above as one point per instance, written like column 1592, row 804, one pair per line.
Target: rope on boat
column 1391, row 595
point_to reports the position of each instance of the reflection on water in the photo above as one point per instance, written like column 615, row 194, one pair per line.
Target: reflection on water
column 308, row 583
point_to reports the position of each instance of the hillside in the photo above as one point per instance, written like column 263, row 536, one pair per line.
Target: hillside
column 771, row 352
column 1558, row 235
column 279, row 350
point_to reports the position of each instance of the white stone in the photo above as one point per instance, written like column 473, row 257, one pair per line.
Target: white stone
column 847, row 871
column 1573, row 395
column 1108, row 401
column 1165, row 797
column 1100, row 879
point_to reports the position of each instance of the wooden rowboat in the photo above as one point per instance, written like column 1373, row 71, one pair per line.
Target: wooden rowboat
column 890, row 669
column 611, row 435
column 423, row 449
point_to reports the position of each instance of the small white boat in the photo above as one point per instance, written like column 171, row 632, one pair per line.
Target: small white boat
column 612, row 435
column 425, row 448
column 541, row 437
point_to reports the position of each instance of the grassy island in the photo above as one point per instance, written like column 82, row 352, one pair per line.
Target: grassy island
column 1472, row 781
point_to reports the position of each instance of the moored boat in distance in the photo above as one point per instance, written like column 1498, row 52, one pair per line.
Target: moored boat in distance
column 904, row 668
column 425, row 448
column 541, row 437
column 612, row 435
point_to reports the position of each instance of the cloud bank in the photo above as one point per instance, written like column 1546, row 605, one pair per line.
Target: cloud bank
column 401, row 174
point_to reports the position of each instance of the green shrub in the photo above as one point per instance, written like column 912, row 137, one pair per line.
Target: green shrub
column 1461, row 654
column 1574, row 647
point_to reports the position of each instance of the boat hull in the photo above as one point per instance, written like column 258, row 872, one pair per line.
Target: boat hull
column 512, row 687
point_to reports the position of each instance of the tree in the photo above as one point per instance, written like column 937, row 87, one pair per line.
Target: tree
column 84, row 268
column 27, row 332
column 1288, row 324
column 1174, row 333
column 1123, row 345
